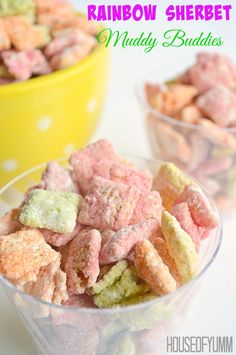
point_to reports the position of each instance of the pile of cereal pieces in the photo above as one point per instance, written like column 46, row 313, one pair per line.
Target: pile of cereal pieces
column 104, row 233
column 204, row 100
column 41, row 36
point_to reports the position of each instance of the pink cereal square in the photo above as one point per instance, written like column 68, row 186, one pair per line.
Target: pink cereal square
column 57, row 178
column 219, row 103
column 130, row 176
column 210, row 70
column 110, row 205
column 94, row 160
column 22, row 65
column 148, row 206
column 17, row 64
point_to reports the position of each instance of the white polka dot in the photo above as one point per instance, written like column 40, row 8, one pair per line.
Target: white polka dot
column 44, row 123
column 10, row 165
column 91, row 105
column 69, row 149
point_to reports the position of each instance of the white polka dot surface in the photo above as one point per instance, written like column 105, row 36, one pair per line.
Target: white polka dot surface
column 91, row 105
column 10, row 165
column 44, row 123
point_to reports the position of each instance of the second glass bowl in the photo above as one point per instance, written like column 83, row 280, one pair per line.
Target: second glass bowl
column 207, row 155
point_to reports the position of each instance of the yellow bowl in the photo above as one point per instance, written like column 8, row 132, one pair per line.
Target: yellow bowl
column 51, row 115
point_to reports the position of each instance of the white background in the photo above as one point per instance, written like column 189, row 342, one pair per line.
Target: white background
column 213, row 312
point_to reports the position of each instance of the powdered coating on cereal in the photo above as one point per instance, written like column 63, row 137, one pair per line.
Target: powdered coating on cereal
column 180, row 246
column 56, row 211
column 116, row 246
column 38, row 37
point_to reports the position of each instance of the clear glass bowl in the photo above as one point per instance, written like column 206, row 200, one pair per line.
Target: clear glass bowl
column 139, row 329
column 204, row 154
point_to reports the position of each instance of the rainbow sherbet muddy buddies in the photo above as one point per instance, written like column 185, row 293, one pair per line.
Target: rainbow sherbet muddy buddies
column 40, row 36
column 192, row 122
column 102, row 233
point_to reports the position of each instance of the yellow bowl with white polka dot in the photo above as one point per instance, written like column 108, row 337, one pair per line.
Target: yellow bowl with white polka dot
column 49, row 116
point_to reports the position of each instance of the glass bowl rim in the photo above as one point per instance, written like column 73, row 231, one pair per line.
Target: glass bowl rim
column 135, row 307
column 140, row 96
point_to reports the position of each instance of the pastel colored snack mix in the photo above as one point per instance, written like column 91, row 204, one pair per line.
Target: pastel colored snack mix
column 16, row 7
column 170, row 182
column 56, row 211
column 60, row 239
column 50, row 285
column 199, row 206
column 47, row 6
column 217, row 136
column 160, row 245
column 110, row 205
column 152, row 269
column 68, row 47
column 23, row 254
column 82, row 266
column 219, row 103
column 70, row 56
column 21, row 33
column 23, row 64
column 149, row 206
column 41, row 36
column 124, row 241
column 210, row 70
column 57, row 178
column 131, row 177
column 4, row 38
column 180, row 246
column 110, row 277
column 190, row 114
column 62, row 37
column 93, row 236
column 182, row 213
column 174, row 98
column 196, row 129
column 66, row 39
column 128, row 285
column 58, row 17
column 94, row 160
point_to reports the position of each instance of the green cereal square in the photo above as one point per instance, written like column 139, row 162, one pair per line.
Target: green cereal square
column 56, row 211
column 128, row 285
column 113, row 275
